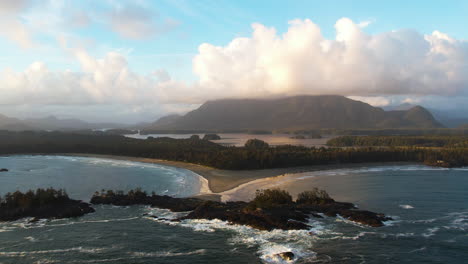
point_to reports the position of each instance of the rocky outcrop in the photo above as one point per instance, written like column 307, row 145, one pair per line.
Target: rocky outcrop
column 56, row 210
column 292, row 216
column 288, row 256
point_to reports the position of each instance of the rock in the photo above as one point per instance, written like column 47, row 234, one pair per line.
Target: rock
column 56, row 210
column 291, row 216
column 3, row 170
column 288, row 256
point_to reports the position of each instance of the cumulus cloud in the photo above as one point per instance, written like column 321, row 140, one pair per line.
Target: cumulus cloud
column 380, row 69
column 354, row 63
column 134, row 22
column 101, row 81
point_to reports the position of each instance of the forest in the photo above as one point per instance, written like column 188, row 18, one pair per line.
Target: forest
column 400, row 141
column 32, row 199
column 256, row 155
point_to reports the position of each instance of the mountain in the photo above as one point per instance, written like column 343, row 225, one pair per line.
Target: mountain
column 54, row 123
column 8, row 123
column 50, row 123
column 450, row 118
column 166, row 120
column 294, row 113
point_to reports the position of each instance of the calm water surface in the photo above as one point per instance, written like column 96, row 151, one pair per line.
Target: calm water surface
column 430, row 207
column 239, row 140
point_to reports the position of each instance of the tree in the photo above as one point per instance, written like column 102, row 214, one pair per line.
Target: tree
column 256, row 144
column 315, row 196
column 271, row 198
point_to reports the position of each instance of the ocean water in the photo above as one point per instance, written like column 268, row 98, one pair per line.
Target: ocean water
column 239, row 139
column 430, row 208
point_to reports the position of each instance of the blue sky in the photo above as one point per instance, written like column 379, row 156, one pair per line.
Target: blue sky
column 143, row 39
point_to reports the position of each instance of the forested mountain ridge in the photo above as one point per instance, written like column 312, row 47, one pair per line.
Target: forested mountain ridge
column 295, row 113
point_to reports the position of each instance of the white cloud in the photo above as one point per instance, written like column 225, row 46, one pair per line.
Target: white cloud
column 11, row 27
column 12, row 7
column 365, row 23
column 378, row 101
column 303, row 61
column 401, row 64
column 134, row 22
column 107, row 80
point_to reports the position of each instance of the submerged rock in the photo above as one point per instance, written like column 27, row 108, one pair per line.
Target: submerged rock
column 288, row 256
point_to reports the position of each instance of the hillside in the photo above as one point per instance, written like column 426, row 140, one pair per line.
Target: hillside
column 50, row 123
column 295, row 113
column 8, row 123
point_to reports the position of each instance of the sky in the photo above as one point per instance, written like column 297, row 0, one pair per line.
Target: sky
column 134, row 61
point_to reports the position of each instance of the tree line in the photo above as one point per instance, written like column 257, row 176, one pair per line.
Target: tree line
column 256, row 155
column 400, row 141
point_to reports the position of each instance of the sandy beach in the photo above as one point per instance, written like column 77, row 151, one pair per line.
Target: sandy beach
column 228, row 181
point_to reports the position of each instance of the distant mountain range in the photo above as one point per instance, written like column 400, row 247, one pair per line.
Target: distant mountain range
column 50, row 123
column 448, row 118
column 295, row 113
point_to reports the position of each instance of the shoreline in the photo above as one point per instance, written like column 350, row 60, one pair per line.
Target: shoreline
column 217, row 183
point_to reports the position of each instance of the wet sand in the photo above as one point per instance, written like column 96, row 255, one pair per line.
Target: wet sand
column 220, row 181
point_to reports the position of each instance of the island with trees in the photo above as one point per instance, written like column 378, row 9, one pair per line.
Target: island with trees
column 41, row 204
column 270, row 209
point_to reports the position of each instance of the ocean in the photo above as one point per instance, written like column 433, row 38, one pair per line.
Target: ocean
column 429, row 207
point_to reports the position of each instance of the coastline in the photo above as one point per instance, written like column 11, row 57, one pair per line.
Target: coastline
column 217, row 183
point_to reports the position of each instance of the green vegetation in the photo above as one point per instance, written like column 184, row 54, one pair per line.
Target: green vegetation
column 32, row 199
column 315, row 196
column 271, row 198
column 400, row 141
column 256, row 144
column 211, row 154
column 211, row 137
column 195, row 137
column 42, row 203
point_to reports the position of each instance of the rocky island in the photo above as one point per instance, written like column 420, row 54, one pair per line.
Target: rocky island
column 211, row 137
column 3, row 170
column 41, row 204
column 270, row 209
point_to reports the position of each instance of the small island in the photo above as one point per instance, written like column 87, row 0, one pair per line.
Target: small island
column 211, row 137
column 41, row 204
column 270, row 209
column 3, row 170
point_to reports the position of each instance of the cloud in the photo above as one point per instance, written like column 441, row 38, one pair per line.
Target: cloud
column 80, row 19
column 374, row 100
column 134, row 22
column 354, row 63
column 365, row 23
column 107, row 80
column 11, row 27
column 13, row 7
column 380, row 69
